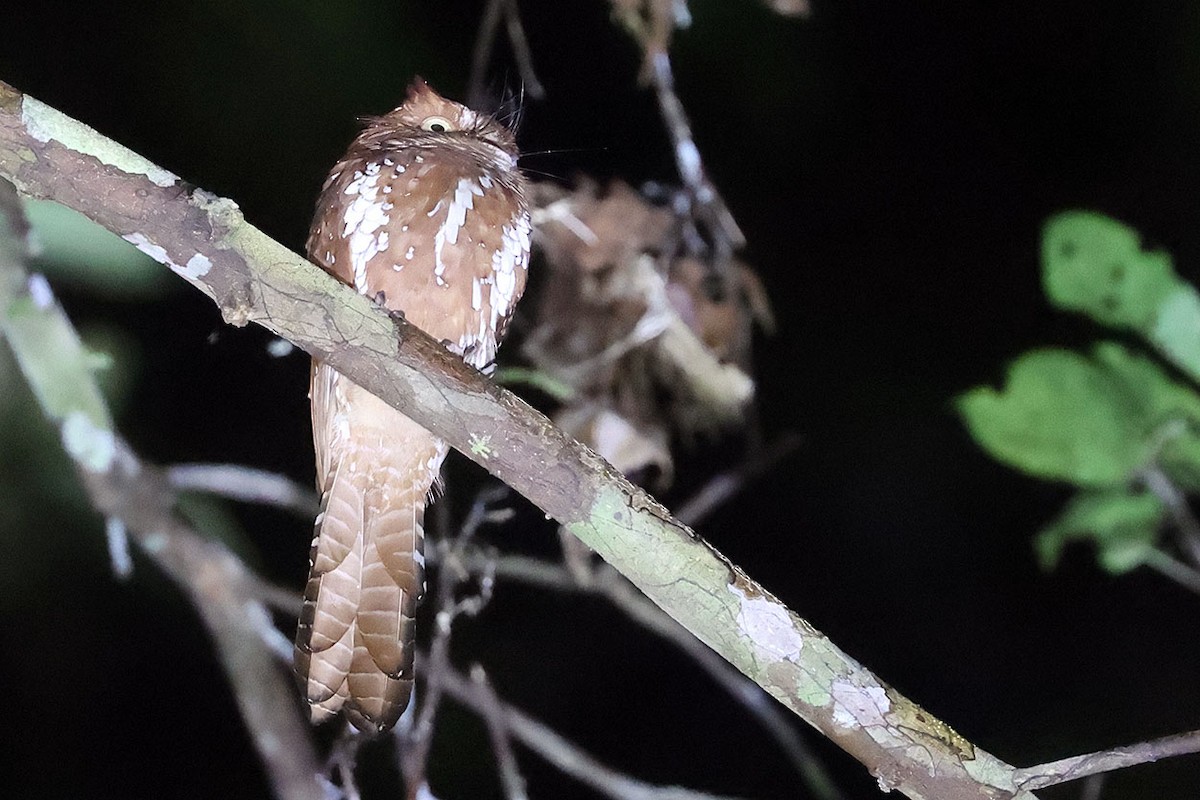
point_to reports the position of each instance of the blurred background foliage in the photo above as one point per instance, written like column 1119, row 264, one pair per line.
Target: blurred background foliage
column 1115, row 424
column 892, row 165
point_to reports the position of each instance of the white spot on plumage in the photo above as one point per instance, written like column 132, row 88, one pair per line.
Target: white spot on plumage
column 363, row 218
column 410, row 252
column 456, row 216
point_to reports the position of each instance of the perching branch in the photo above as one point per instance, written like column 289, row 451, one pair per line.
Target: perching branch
column 137, row 500
column 251, row 278
column 603, row 581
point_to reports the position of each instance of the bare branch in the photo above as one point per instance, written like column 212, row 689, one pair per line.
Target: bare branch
column 602, row 580
column 1171, row 567
column 493, row 716
column 521, row 52
column 724, row 486
column 1076, row 767
column 710, row 207
column 246, row 484
column 485, row 42
column 557, row 750
column 413, row 745
column 342, row 758
column 704, row 203
column 251, row 278
column 1186, row 524
column 136, row 499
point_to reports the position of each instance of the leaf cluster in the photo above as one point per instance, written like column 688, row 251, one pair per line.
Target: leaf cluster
column 1119, row 421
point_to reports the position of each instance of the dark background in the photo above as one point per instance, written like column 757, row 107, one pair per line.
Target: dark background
column 891, row 164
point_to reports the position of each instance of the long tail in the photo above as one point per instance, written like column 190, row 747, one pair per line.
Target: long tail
column 355, row 641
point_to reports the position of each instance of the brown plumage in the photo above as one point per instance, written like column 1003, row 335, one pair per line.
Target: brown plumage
column 426, row 213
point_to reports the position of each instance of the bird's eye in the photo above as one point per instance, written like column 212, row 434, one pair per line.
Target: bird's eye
column 437, row 124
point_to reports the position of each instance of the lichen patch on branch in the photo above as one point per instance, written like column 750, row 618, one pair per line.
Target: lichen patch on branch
column 857, row 706
column 45, row 124
column 768, row 625
column 89, row 445
column 196, row 267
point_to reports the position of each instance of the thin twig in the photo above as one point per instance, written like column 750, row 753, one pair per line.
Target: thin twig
column 246, row 484
column 521, row 51
column 497, row 725
column 1070, row 769
column 710, row 225
column 560, row 752
column 485, row 42
column 413, row 745
column 343, row 757
column 1186, row 524
column 709, row 206
column 627, row 598
column 602, row 580
column 284, row 600
column 724, row 486
column 1172, row 568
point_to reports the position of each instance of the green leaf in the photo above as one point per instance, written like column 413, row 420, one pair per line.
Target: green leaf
column 1123, row 525
column 1164, row 398
column 1172, row 411
column 1176, row 331
column 1096, row 266
column 1090, row 421
column 1061, row 416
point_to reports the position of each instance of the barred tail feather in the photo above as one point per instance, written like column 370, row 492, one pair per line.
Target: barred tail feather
column 355, row 641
